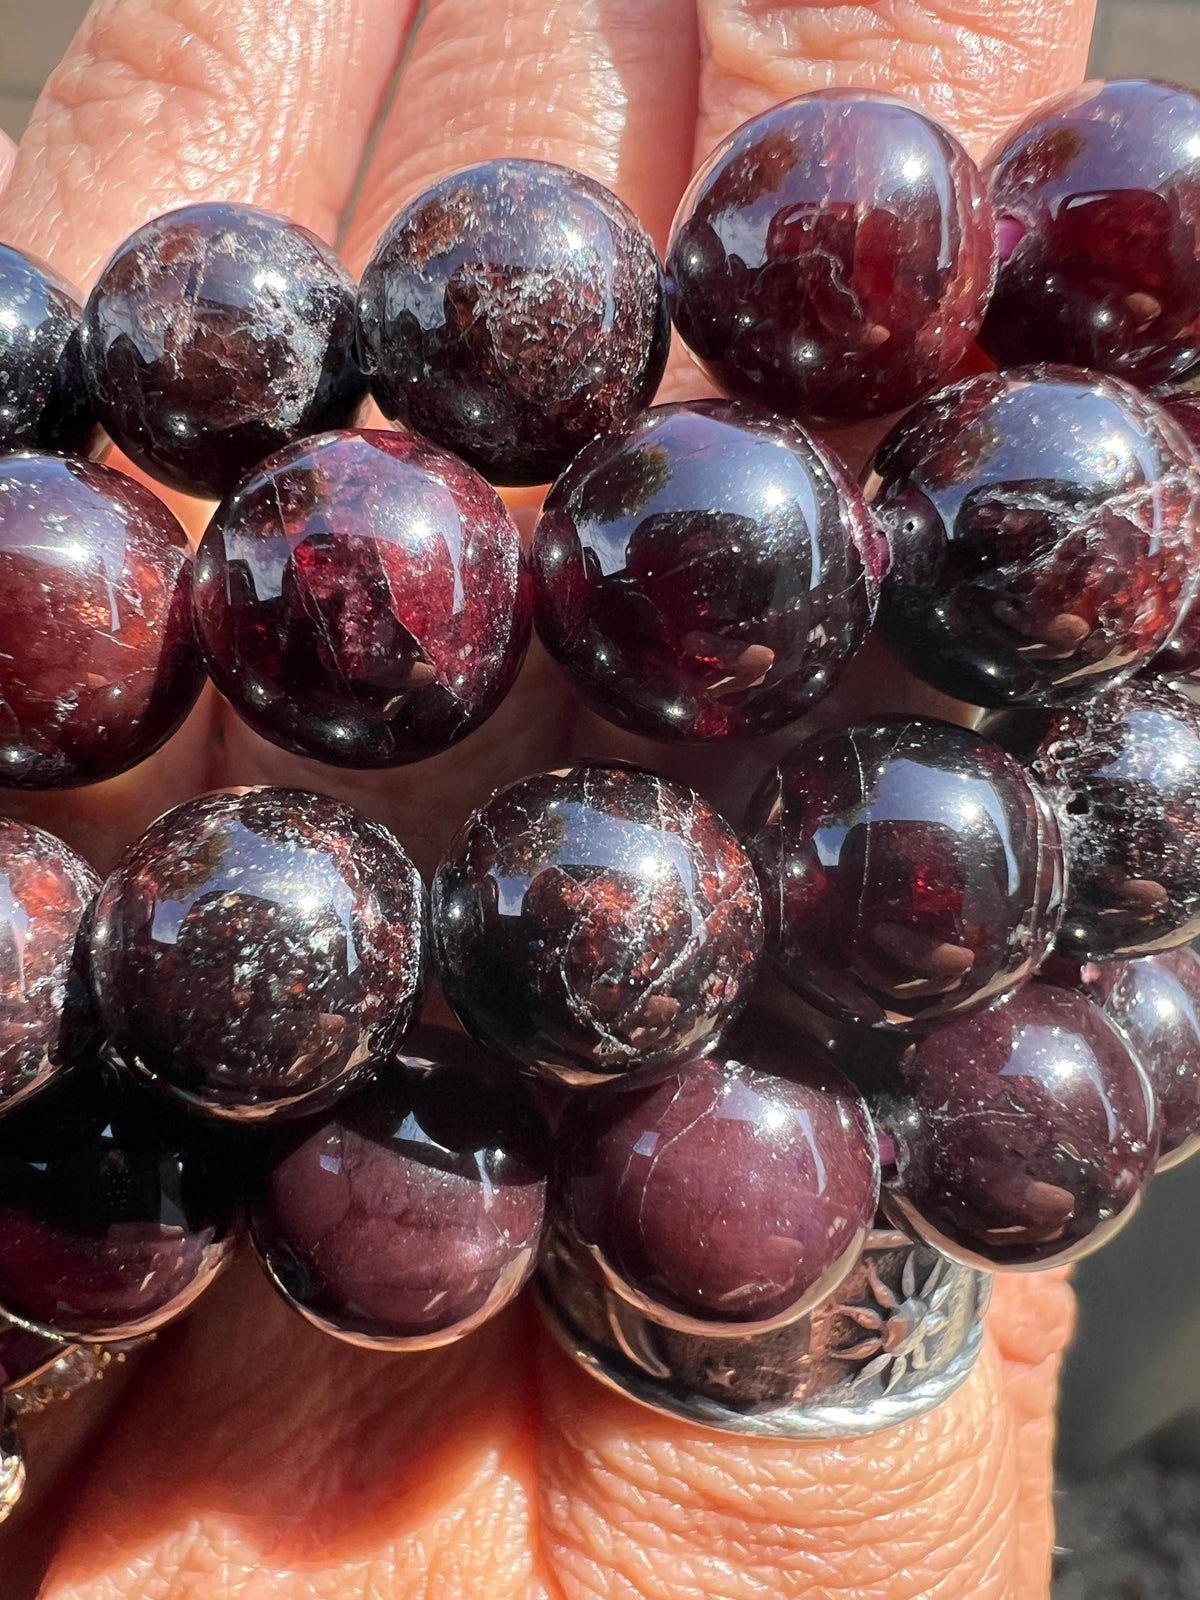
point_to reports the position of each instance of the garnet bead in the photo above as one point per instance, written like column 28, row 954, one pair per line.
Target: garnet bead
column 833, row 257
column 255, row 950
column 732, row 1189
column 512, row 313
column 1097, row 199
column 412, row 1213
column 1180, row 656
column 704, row 572
column 215, row 335
column 360, row 599
column 594, row 919
column 98, row 666
column 1024, row 1134
column 909, row 869
column 1045, row 532
column 43, row 405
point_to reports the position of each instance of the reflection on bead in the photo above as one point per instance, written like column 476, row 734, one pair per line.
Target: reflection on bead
column 42, row 401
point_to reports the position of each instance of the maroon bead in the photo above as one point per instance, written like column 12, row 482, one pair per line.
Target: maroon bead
column 1024, row 1135
column 24, row 1353
column 98, row 666
column 1045, row 533
column 1097, row 199
column 833, row 258
column 705, row 572
column 512, row 313
column 909, row 870
column 412, row 1213
column 46, row 891
column 1180, row 656
column 255, row 950
column 43, row 405
column 1124, row 774
column 360, row 599
column 594, row 919
column 215, row 335
column 736, row 1188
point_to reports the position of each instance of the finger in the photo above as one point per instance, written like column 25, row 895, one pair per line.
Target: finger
column 8, row 154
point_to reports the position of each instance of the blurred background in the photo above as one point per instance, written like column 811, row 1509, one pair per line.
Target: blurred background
column 1129, row 1436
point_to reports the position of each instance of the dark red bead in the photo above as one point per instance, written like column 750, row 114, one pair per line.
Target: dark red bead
column 1180, row 656
column 833, row 258
column 255, row 950
column 43, row 404
column 595, row 919
column 512, row 313
column 731, row 1189
column 412, row 1213
column 705, row 572
column 215, row 335
column 1124, row 774
column 98, row 666
column 1045, row 533
column 1097, row 199
column 1023, row 1135
column 46, row 891
column 909, row 870
column 360, row 598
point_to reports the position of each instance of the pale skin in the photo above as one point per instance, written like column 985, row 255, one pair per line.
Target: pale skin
column 248, row 1457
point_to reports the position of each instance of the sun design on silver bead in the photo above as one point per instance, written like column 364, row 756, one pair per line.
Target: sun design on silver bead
column 899, row 1327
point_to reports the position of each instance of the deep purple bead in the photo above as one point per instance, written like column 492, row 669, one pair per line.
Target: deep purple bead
column 360, row 598
column 46, row 891
column 1124, row 774
column 1024, row 1134
column 412, row 1213
column 216, row 334
column 1045, row 533
column 595, row 919
column 833, row 257
column 116, row 1211
column 705, row 572
column 98, row 665
column 511, row 313
column 732, row 1189
column 909, row 870
column 255, row 950
column 1097, row 200
column 43, row 404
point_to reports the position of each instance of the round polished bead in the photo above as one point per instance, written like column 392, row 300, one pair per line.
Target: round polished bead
column 1123, row 772
column 1045, row 533
column 255, row 950
column 512, row 313
column 98, row 667
column 360, row 599
column 594, row 919
column 116, row 1211
column 215, row 335
column 1023, row 1135
column 46, row 891
column 1097, row 200
column 833, row 257
column 731, row 1189
column 909, row 870
column 43, row 404
column 413, row 1212
column 705, row 572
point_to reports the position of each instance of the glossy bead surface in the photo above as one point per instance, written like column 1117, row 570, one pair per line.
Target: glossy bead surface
column 46, row 891
column 255, row 949
column 1024, row 1134
column 733, row 1189
column 706, row 572
column 594, row 919
column 412, row 1213
column 833, row 258
column 1123, row 772
column 513, row 312
column 1045, row 533
column 99, row 665
column 909, row 870
column 215, row 335
column 1097, row 199
column 1180, row 656
column 43, row 405
column 116, row 1211
column 360, row 599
